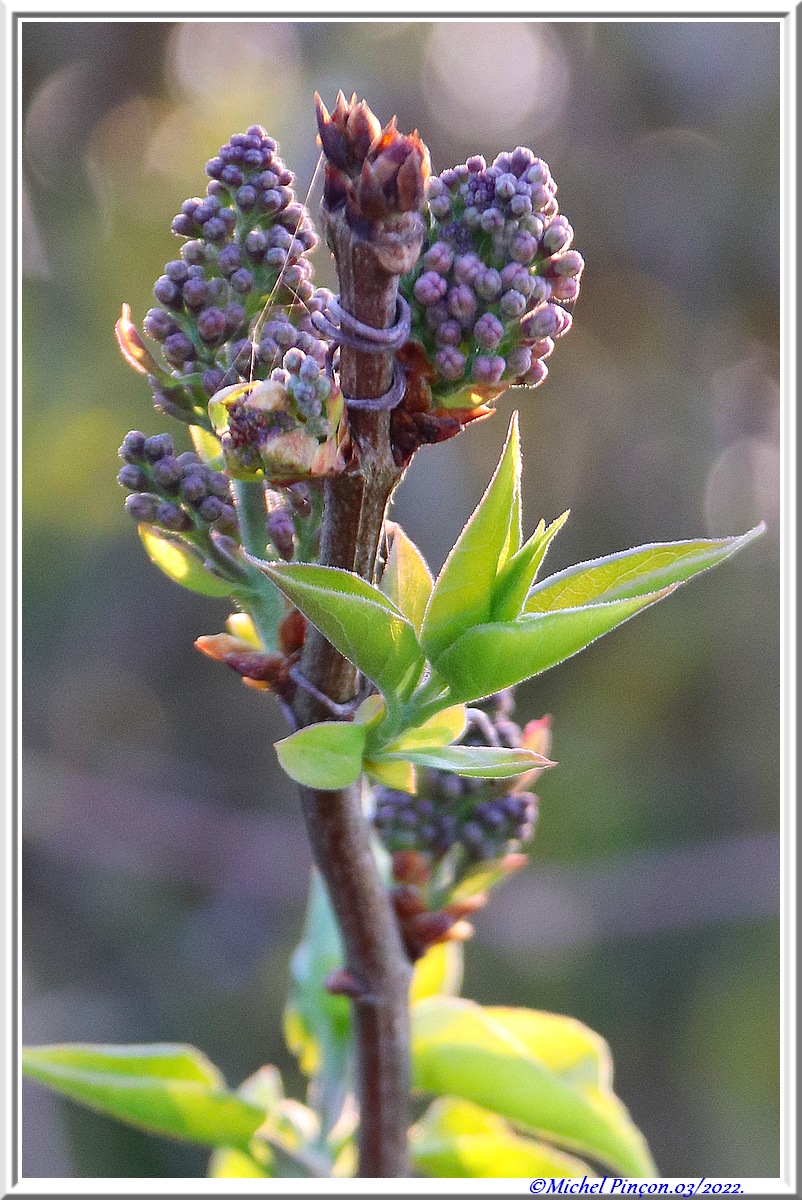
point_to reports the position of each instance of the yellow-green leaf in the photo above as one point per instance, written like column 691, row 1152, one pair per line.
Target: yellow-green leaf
column 516, row 578
column 358, row 620
column 460, row 1049
column 462, row 594
column 407, row 580
column 179, row 562
column 166, row 1089
column 440, row 730
column 325, row 756
column 456, row 1139
column 438, row 973
column 475, row 762
column 633, row 573
column 492, row 657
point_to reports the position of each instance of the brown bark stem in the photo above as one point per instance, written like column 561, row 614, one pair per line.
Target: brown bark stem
column 355, row 506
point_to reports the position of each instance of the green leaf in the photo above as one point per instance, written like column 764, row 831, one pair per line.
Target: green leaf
column 438, row 973
column 460, row 1049
column 515, row 580
column 207, row 447
column 633, row 573
column 440, row 730
column 476, row 762
column 234, row 1164
column 492, row 657
column 407, row 580
column 357, row 619
column 326, row 756
column 179, row 562
column 461, row 596
column 317, row 1025
column 456, row 1139
column 165, row 1089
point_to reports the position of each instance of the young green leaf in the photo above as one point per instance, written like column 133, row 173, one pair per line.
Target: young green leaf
column 492, row 657
column 632, row 573
column 358, row 619
column 456, row 1139
column 207, row 447
column 400, row 776
column 234, row 1164
column 326, row 756
column 462, row 594
column 407, row 580
column 516, row 578
column 179, row 562
column 438, row 973
column 165, row 1089
column 317, row 1025
column 462, row 1050
column 440, row 730
column 476, row 762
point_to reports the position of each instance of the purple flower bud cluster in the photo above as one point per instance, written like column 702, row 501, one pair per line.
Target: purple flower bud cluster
column 300, row 407
column 248, row 244
column 179, row 493
column 486, row 819
column 490, row 289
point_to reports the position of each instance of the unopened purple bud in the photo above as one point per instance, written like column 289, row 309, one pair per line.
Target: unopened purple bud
column 557, row 235
column 461, row 302
column 270, row 201
column 297, row 273
column 246, row 197
column 476, row 164
column 467, row 268
column 440, row 206
column 212, row 325
column 281, row 531
column 193, row 489
column 292, row 361
column 520, row 205
column 487, row 369
column 523, row 247
column 521, row 159
column 177, row 271
column 217, row 484
column 229, row 259
column 519, row 361
column 488, row 284
column 439, row 258
column 565, row 289
column 194, row 292
column 505, row 186
column 541, row 322
column 182, row 226
column 212, row 380
column 158, row 324
column 132, row 477
column 241, row 281
column 565, row 321
column 449, row 333
column 536, row 373
column 178, row 349
column 569, row 265
column 231, row 175
column 516, row 277
column 133, row 447
column 235, row 318
column 538, row 172
column 194, row 252
column 309, row 370
column 167, row 292
column 256, row 244
column 167, row 473
column 276, row 258
column 488, row 331
column 512, row 304
column 214, row 168
column 266, row 181
column 429, row 288
column 210, row 508
column 492, row 220
column 305, row 396
column 142, row 506
column 450, row 363
column 215, row 229
column 172, row 516
column 542, row 348
column 540, row 289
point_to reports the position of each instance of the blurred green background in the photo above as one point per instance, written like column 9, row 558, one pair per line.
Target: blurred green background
column 164, row 861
